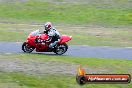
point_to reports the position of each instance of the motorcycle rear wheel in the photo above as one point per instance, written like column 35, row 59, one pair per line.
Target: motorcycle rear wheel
column 27, row 48
column 61, row 49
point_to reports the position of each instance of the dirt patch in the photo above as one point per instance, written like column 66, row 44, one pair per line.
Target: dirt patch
column 37, row 67
column 14, row 0
column 31, row 66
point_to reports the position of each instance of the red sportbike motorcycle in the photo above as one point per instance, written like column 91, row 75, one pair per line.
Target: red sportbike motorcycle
column 31, row 43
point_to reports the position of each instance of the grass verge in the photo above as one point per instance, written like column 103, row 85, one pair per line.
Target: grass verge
column 88, row 13
column 93, row 36
column 124, row 66
column 21, row 80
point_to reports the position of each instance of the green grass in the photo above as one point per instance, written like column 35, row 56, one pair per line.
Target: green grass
column 11, row 36
column 83, row 14
column 21, row 80
column 27, row 81
column 117, row 37
column 114, row 13
column 37, row 11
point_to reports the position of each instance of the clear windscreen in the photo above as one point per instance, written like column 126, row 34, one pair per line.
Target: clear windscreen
column 35, row 33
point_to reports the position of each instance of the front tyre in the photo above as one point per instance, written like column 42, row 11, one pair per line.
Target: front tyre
column 27, row 48
column 61, row 49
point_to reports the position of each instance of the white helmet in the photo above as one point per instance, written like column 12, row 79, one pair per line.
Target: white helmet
column 48, row 25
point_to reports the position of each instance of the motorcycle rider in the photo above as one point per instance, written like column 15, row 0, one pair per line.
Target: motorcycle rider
column 53, row 35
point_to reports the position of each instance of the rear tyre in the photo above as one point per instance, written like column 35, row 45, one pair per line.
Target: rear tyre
column 61, row 49
column 27, row 48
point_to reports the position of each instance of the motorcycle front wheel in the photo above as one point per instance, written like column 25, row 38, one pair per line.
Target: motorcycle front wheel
column 61, row 49
column 27, row 48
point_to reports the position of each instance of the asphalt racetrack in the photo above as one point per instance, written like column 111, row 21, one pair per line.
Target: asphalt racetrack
column 76, row 51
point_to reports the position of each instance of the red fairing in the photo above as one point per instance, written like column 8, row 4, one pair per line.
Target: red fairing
column 31, row 39
column 65, row 38
column 44, row 36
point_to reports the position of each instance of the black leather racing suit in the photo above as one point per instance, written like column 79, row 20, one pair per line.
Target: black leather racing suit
column 53, row 37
